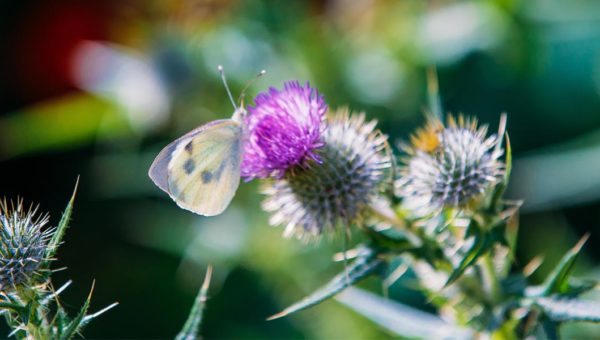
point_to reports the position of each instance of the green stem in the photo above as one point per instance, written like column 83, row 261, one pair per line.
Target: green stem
column 490, row 279
column 37, row 326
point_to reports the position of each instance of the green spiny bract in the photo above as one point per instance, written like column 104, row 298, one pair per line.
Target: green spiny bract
column 23, row 245
column 353, row 169
column 28, row 301
column 449, row 166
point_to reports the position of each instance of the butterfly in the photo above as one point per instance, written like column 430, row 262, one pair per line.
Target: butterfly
column 201, row 170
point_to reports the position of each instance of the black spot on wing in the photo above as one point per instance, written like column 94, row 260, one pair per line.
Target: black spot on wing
column 189, row 147
column 206, row 176
column 189, row 166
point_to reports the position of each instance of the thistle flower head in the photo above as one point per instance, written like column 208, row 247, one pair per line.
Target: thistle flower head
column 283, row 130
column 449, row 166
column 23, row 244
column 338, row 189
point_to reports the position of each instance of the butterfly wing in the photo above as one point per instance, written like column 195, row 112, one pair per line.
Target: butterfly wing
column 201, row 170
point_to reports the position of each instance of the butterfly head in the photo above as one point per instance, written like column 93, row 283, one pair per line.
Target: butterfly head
column 240, row 113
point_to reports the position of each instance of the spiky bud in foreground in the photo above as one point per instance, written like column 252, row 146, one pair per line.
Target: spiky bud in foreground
column 352, row 172
column 449, row 166
column 23, row 244
column 283, row 130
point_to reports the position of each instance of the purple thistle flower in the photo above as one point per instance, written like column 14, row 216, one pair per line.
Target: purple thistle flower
column 283, row 130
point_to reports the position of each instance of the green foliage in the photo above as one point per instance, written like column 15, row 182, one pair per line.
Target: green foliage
column 63, row 224
column 33, row 309
column 191, row 328
column 482, row 243
column 399, row 318
column 366, row 264
column 462, row 259
column 561, row 309
column 558, row 280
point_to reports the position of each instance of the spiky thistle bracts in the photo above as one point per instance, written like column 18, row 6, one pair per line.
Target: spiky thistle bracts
column 23, row 244
column 353, row 169
column 449, row 166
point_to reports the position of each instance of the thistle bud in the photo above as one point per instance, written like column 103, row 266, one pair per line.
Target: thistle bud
column 350, row 173
column 449, row 166
column 23, row 244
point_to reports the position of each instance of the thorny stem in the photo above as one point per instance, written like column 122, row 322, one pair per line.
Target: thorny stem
column 37, row 324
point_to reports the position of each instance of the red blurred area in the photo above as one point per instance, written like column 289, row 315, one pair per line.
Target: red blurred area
column 44, row 37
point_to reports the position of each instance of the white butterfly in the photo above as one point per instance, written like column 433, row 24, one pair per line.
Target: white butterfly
column 201, row 170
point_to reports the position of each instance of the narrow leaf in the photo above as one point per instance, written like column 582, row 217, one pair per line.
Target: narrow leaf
column 59, row 233
column 75, row 324
column 507, row 161
column 565, row 309
column 578, row 287
column 501, row 187
column 557, row 281
column 391, row 239
column 191, row 329
column 361, row 268
column 60, row 321
column 11, row 306
column 479, row 247
column 403, row 320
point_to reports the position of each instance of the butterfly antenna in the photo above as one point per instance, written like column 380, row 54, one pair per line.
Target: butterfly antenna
column 222, row 72
column 250, row 82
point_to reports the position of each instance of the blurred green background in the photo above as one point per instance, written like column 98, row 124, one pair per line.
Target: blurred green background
column 97, row 88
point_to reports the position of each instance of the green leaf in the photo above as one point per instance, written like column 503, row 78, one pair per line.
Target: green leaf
column 75, row 325
column 390, row 239
column 507, row 162
column 498, row 234
column 59, row 233
column 11, row 306
column 361, row 268
column 558, row 280
column 60, row 321
column 403, row 320
column 191, row 329
column 481, row 245
column 501, row 187
column 578, row 287
column 562, row 309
